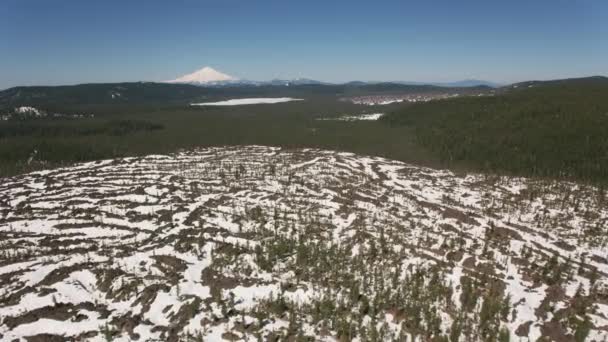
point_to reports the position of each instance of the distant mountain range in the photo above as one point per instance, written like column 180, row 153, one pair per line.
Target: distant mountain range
column 469, row 83
column 208, row 76
column 175, row 92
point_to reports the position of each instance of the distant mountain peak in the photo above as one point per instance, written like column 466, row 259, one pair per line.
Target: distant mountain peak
column 206, row 75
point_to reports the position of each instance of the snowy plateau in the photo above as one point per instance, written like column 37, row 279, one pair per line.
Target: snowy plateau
column 258, row 243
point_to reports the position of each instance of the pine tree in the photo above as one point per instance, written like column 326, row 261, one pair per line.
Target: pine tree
column 504, row 335
column 582, row 330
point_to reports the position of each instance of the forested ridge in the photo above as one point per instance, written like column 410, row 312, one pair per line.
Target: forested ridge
column 542, row 129
column 550, row 129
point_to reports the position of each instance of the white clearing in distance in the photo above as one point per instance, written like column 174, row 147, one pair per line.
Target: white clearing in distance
column 250, row 101
column 364, row 117
column 369, row 117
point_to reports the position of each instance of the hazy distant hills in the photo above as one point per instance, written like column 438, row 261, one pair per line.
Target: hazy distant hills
column 208, row 76
column 469, row 83
column 592, row 80
column 110, row 93
column 179, row 93
column 172, row 93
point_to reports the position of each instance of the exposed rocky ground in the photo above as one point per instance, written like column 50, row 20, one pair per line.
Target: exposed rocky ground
column 258, row 243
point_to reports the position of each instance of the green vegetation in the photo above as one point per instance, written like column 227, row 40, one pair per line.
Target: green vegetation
column 281, row 259
column 552, row 129
column 51, row 128
column 118, row 131
column 540, row 129
column 140, row 93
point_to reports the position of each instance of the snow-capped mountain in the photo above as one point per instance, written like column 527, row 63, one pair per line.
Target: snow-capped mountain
column 205, row 76
column 208, row 76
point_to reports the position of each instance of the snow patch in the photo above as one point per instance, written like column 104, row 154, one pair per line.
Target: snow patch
column 248, row 101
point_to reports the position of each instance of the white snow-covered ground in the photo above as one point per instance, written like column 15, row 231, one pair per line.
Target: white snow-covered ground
column 360, row 117
column 28, row 112
column 247, row 101
column 242, row 243
column 380, row 100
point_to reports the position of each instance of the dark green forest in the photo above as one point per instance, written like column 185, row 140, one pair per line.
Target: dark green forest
column 540, row 129
column 148, row 93
column 118, row 131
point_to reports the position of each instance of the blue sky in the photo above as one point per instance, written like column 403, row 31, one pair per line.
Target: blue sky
column 67, row 42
